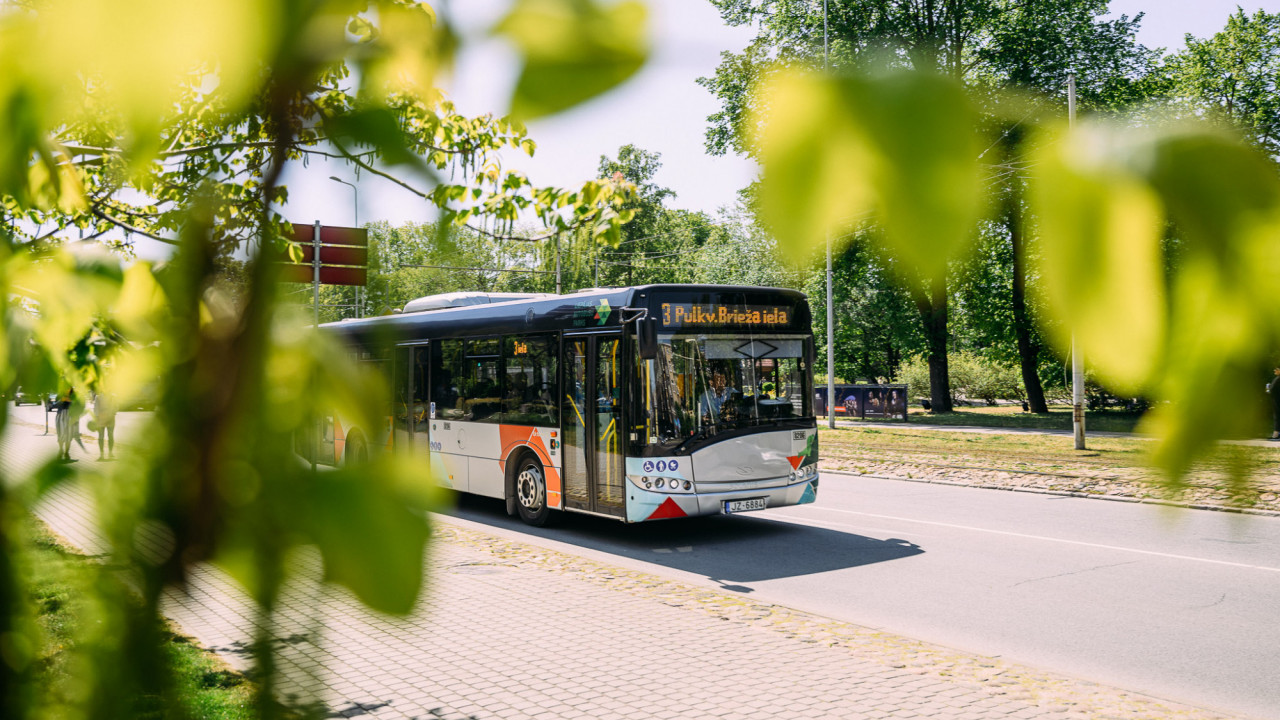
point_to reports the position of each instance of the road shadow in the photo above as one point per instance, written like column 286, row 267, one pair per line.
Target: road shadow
column 729, row 549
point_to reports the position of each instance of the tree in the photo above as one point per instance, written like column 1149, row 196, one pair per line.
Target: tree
column 876, row 329
column 738, row 251
column 986, row 44
column 1233, row 77
column 647, row 242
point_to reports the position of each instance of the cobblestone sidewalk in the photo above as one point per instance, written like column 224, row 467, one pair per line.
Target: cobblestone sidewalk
column 508, row 629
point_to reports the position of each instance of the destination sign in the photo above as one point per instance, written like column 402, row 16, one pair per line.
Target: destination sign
column 704, row 315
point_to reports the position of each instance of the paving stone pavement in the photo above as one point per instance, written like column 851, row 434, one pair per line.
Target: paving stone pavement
column 509, row 629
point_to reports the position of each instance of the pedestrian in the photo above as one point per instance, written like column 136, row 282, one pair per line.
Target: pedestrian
column 104, row 421
column 67, row 422
column 1273, row 389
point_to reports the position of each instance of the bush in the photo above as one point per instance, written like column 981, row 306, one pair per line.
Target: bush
column 971, row 376
column 914, row 371
column 979, row 378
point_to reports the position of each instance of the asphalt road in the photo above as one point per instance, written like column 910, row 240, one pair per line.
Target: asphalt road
column 1179, row 604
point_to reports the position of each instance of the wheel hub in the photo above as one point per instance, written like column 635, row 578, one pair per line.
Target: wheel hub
column 530, row 488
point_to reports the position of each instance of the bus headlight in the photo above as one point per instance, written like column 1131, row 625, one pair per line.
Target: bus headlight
column 661, row 482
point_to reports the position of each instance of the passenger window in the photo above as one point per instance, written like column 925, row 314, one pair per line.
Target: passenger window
column 531, row 388
column 448, row 372
column 482, row 401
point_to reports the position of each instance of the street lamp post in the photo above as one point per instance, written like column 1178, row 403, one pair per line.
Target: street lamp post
column 355, row 216
column 831, row 312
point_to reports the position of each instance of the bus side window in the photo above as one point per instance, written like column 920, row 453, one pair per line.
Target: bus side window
column 530, row 387
column 448, row 367
column 483, row 396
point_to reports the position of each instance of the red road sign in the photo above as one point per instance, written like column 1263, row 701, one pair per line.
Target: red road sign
column 337, row 255
column 329, row 275
column 304, row 234
column 338, row 246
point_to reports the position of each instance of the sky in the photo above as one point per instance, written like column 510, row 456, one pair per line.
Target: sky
column 661, row 109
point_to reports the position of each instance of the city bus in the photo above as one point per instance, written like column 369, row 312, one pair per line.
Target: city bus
column 636, row 403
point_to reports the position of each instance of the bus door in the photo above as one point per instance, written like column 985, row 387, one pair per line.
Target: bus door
column 591, row 409
column 419, row 401
column 411, row 414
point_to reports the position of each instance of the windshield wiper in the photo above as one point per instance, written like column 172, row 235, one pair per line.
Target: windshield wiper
column 697, row 435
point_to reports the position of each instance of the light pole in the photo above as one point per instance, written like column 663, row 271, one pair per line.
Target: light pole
column 831, row 313
column 355, row 216
column 1077, row 357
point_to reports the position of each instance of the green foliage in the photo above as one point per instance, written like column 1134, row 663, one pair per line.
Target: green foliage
column 840, row 149
column 1231, row 77
column 573, row 51
column 914, row 371
column 1104, row 196
column 972, row 377
column 175, row 121
column 61, row 593
column 987, row 47
column 1203, row 347
column 980, row 378
column 988, row 44
column 738, row 251
column 876, row 320
column 219, row 140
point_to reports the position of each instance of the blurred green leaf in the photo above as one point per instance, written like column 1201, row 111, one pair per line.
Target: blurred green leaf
column 375, row 127
column 51, row 475
column 1224, row 199
column 1101, row 228
column 573, row 51
column 897, row 146
column 372, row 542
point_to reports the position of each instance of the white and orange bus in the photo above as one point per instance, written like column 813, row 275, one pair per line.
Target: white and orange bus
column 637, row 403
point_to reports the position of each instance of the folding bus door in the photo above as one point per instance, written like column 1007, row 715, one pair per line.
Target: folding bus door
column 592, row 415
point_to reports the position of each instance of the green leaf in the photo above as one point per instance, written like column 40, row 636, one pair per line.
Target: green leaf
column 375, row 127
column 573, row 51
column 1100, row 225
column 899, row 147
column 371, row 533
column 1224, row 199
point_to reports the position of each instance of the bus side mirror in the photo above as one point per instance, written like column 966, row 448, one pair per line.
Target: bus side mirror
column 647, row 338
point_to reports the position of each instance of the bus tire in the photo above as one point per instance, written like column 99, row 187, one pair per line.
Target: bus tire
column 530, row 491
column 357, row 450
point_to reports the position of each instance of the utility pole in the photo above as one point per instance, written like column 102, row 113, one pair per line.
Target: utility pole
column 1077, row 357
column 355, row 217
column 831, row 312
column 557, row 263
column 315, row 270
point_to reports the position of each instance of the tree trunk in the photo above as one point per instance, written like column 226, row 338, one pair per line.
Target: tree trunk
column 933, row 315
column 1028, row 349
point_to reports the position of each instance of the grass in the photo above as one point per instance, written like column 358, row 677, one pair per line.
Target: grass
column 59, row 596
column 1011, row 416
column 1012, row 450
column 861, row 446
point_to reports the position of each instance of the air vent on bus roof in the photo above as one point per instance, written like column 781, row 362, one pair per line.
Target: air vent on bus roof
column 464, row 299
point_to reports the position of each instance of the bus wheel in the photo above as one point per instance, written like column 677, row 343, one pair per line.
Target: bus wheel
column 531, row 492
column 357, row 453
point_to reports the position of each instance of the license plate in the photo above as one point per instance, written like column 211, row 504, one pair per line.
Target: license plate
column 733, row 506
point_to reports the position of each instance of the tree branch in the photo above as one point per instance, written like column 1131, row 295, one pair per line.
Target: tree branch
column 120, row 223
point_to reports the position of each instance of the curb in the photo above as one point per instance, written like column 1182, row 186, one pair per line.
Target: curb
column 1067, row 493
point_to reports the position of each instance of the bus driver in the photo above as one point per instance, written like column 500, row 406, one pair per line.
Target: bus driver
column 714, row 399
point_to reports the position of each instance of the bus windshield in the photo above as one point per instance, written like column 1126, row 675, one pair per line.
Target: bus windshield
column 703, row 384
